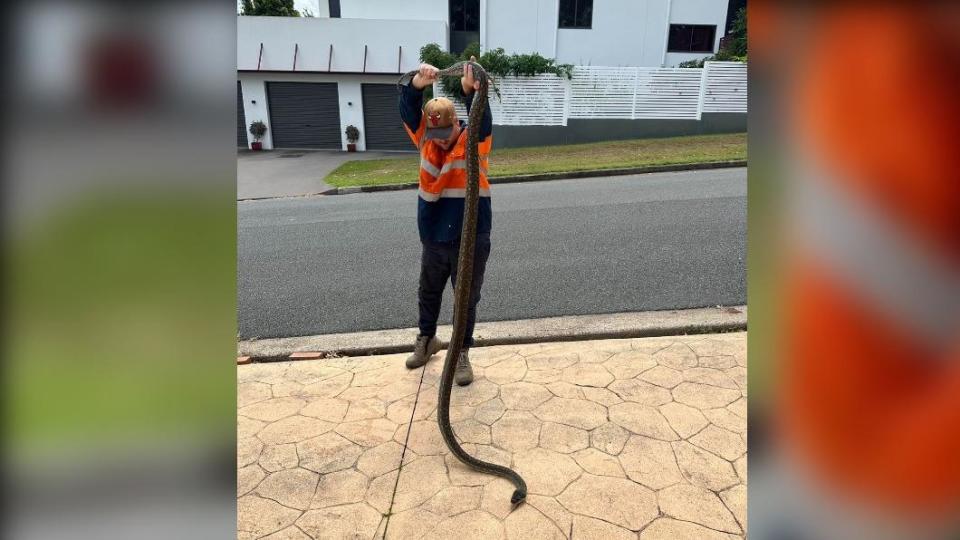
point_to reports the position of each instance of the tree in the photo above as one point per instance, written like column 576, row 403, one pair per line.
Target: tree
column 737, row 37
column 277, row 8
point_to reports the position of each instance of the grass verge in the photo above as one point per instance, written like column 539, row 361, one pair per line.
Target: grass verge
column 544, row 159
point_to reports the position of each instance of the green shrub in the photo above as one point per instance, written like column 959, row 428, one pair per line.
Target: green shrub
column 258, row 129
column 432, row 54
column 495, row 61
column 353, row 134
column 472, row 49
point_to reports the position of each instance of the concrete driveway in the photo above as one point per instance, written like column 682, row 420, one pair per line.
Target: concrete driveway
column 291, row 173
column 641, row 439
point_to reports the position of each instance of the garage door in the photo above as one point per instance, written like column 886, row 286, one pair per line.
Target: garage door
column 241, row 120
column 304, row 115
column 381, row 118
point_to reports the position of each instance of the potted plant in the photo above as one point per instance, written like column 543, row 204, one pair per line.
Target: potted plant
column 258, row 129
column 353, row 135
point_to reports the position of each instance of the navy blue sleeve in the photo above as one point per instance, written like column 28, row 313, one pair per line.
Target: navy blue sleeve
column 411, row 106
column 486, row 123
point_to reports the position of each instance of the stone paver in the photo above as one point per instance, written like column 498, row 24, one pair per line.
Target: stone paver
column 631, row 438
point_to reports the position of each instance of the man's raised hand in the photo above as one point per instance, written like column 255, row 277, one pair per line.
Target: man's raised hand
column 426, row 75
column 468, row 82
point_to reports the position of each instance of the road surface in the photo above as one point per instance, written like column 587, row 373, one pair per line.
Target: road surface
column 348, row 263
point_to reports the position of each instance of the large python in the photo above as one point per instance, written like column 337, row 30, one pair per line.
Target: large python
column 461, row 292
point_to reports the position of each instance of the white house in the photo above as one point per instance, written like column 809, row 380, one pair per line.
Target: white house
column 310, row 78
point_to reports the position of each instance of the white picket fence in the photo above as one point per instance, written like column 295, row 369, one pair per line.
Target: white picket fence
column 525, row 101
column 726, row 87
column 630, row 93
column 635, row 93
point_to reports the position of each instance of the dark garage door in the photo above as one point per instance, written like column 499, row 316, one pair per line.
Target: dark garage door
column 241, row 120
column 381, row 118
column 304, row 115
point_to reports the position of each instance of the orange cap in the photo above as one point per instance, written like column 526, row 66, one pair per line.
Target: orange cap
column 440, row 113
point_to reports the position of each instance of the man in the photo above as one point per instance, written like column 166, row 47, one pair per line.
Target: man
column 442, row 140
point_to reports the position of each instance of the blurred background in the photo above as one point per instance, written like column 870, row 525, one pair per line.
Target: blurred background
column 854, row 270
column 118, row 387
column 120, row 263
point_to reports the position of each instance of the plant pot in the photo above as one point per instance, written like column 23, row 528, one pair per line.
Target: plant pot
column 257, row 145
column 351, row 147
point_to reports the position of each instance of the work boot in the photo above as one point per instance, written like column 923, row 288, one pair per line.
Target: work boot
column 464, row 373
column 425, row 347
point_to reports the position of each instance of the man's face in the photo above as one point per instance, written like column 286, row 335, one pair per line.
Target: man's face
column 451, row 139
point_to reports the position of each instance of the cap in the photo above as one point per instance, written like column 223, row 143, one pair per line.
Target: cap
column 440, row 116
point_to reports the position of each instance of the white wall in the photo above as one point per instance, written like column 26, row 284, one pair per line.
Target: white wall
column 383, row 38
column 420, row 10
column 253, row 86
column 254, row 90
column 623, row 32
column 520, row 26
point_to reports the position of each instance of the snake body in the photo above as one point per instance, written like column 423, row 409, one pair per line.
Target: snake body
column 462, row 290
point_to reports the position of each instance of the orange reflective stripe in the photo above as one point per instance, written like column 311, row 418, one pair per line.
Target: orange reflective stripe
column 863, row 401
column 903, row 160
column 441, row 170
column 416, row 136
column 484, row 146
column 868, row 400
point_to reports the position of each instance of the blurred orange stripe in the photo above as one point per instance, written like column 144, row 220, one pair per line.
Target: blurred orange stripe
column 878, row 104
column 872, row 408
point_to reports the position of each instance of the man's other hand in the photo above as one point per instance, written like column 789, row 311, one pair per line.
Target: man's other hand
column 468, row 82
column 426, row 75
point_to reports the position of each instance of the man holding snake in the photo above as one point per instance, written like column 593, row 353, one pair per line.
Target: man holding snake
column 442, row 141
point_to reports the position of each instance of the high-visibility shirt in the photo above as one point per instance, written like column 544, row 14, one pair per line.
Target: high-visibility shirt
column 872, row 387
column 443, row 173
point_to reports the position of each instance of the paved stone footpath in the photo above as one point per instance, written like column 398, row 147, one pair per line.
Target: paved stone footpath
column 633, row 439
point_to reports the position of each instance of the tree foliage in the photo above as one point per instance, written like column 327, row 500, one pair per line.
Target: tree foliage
column 277, row 8
column 737, row 45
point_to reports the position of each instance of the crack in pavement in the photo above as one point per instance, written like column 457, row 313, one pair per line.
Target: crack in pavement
column 403, row 453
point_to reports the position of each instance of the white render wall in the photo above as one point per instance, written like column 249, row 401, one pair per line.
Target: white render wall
column 383, row 39
column 420, row 10
column 255, row 106
column 623, row 32
column 519, row 26
column 254, row 87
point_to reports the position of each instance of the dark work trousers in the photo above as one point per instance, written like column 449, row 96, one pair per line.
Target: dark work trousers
column 439, row 263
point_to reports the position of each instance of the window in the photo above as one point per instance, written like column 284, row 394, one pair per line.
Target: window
column 576, row 13
column 695, row 38
column 465, row 15
column 334, row 8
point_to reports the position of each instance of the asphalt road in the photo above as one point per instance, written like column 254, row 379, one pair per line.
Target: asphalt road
column 569, row 247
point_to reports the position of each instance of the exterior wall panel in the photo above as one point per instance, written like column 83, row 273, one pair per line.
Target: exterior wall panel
column 304, row 115
column 381, row 119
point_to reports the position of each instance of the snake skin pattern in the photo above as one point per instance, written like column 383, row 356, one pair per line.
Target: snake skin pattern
column 468, row 237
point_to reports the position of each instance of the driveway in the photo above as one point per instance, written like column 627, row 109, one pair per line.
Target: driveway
column 641, row 439
column 291, row 173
